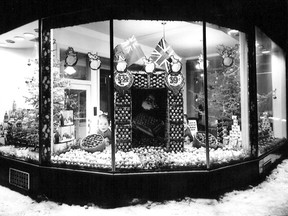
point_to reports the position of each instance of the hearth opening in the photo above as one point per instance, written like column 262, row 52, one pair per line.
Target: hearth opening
column 149, row 117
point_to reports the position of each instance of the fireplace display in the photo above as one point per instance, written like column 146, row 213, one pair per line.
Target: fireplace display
column 149, row 120
column 149, row 114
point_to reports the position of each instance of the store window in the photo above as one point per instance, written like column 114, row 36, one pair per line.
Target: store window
column 227, row 91
column 80, row 93
column 19, row 93
column 227, row 95
column 271, row 93
column 152, row 84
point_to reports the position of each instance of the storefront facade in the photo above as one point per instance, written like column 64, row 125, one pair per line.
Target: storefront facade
column 107, row 108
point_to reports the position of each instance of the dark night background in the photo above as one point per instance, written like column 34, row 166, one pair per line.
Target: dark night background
column 269, row 15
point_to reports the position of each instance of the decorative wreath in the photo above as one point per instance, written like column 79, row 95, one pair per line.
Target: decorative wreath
column 228, row 54
column 94, row 61
column 71, row 57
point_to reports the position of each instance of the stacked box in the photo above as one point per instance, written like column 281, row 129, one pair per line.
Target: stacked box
column 176, row 113
column 157, row 80
column 235, row 140
column 140, row 80
column 123, row 99
column 265, row 132
column 265, row 124
column 176, row 127
column 123, row 115
column 123, row 136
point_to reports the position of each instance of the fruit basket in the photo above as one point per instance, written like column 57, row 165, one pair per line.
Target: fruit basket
column 200, row 140
column 93, row 143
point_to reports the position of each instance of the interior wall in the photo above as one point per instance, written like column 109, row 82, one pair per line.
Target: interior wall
column 14, row 70
column 85, row 40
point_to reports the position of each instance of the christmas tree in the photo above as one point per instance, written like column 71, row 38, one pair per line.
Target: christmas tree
column 223, row 86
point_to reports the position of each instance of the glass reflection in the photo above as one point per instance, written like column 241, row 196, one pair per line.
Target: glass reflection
column 227, row 84
column 19, row 93
column 80, row 66
column 271, row 93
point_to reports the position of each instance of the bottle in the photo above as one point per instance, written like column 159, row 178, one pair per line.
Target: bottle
column 6, row 118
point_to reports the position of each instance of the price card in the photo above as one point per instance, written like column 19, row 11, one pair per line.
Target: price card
column 192, row 124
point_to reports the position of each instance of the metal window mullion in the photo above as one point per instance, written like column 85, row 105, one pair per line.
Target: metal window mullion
column 111, row 33
column 206, row 95
column 40, row 73
column 252, row 85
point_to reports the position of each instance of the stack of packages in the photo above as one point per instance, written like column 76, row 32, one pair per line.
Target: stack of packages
column 235, row 141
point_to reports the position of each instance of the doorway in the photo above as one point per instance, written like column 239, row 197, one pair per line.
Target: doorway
column 79, row 100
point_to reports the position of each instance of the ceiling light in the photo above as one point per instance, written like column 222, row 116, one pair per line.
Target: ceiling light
column 233, row 32
column 265, row 51
column 19, row 38
column 29, row 35
column 10, row 41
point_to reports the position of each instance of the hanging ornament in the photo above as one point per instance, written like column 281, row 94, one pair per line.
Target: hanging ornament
column 94, row 61
column 176, row 65
column 71, row 57
column 174, row 80
column 149, row 65
column 123, row 79
column 228, row 54
column 121, row 65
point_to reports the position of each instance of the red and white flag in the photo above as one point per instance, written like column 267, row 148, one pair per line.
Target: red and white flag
column 162, row 53
column 130, row 50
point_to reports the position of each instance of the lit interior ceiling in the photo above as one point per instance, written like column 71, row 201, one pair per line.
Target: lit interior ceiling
column 22, row 37
column 184, row 37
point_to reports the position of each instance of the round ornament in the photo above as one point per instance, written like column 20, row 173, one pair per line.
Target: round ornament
column 176, row 65
column 94, row 61
column 121, row 65
column 149, row 65
column 71, row 57
column 123, row 80
column 228, row 61
column 174, row 82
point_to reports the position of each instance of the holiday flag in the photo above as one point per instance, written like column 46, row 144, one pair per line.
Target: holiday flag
column 162, row 53
column 130, row 50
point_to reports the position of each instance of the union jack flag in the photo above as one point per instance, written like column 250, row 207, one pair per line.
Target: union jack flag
column 130, row 50
column 162, row 53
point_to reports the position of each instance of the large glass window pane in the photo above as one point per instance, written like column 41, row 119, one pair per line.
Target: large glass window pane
column 80, row 92
column 227, row 86
column 151, row 100
column 19, row 93
column 271, row 93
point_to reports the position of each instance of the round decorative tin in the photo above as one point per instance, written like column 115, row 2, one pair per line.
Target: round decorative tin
column 123, row 80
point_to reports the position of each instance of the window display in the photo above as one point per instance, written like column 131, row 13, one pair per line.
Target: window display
column 80, row 128
column 19, row 92
column 227, row 84
column 271, row 93
column 179, row 102
column 159, row 99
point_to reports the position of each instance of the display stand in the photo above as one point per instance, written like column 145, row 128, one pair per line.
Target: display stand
column 65, row 135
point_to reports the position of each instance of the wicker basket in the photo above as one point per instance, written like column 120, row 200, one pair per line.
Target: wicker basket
column 198, row 142
column 93, row 143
